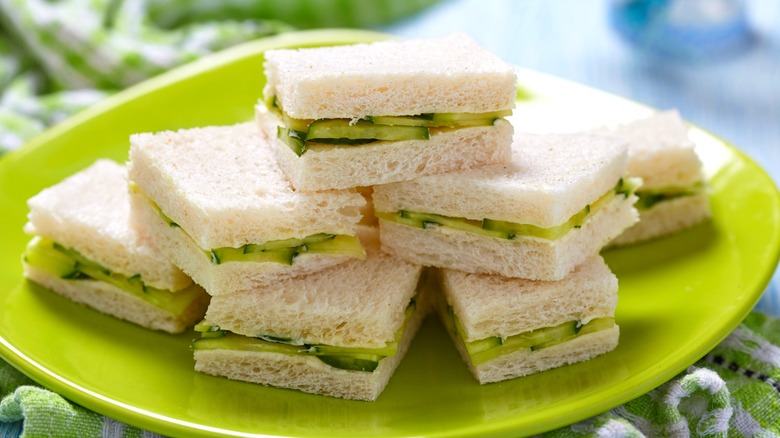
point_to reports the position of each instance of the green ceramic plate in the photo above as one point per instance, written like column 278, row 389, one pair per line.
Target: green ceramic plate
column 679, row 296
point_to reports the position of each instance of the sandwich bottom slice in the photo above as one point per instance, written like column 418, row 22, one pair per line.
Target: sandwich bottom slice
column 69, row 274
column 507, row 328
column 666, row 217
column 338, row 332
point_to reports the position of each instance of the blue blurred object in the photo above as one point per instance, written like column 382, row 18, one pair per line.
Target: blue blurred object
column 689, row 30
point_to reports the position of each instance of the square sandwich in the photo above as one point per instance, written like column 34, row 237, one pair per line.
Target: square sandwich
column 339, row 332
column 673, row 194
column 86, row 249
column 216, row 204
column 368, row 114
column 510, row 327
column 559, row 201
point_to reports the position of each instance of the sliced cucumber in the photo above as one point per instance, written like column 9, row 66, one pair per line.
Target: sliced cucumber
column 224, row 255
column 42, row 254
column 460, row 117
column 295, row 140
column 483, row 350
column 69, row 264
column 550, row 336
column 596, row 325
column 363, row 362
column 278, row 251
column 339, row 129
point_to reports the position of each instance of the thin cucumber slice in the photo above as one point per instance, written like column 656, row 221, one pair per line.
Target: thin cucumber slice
column 363, row 130
column 41, row 254
column 295, row 140
column 459, row 117
column 596, row 325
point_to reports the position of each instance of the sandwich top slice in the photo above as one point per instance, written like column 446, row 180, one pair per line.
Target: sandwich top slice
column 338, row 332
column 215, row 203
column 673, row 193
column 510, row 327
column 368, row 114
column 560, row 200
column 86, row 248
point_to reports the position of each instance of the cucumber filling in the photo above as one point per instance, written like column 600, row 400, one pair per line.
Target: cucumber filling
column 276, row 251
column 505, row 229
column 484, row 350
column 300, row 134
column 69, row 264
column 344, row 358
column 650, row 198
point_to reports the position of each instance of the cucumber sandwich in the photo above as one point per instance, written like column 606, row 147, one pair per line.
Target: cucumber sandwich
column 367, row 114
column 560, row 201
column 673, row 194
column 216, row 204
column 86, row 249
column 338, row 332
column 511, row 327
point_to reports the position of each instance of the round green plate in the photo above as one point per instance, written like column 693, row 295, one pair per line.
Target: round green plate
column 679, row 296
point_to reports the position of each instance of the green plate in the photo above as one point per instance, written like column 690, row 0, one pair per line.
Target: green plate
column 679, row 296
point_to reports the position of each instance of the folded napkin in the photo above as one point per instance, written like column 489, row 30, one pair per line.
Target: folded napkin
column 733, row 391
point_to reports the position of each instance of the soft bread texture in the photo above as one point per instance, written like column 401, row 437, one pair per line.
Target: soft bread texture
column 355, row 304
column 550, row 178
column 524, row 257
column 340, row 167
column 488, row 306
column 450, row 74
column 90, row 212
column 524, row 362
column 660, row 152
column 222, row 185
column 665, row 218
column 113, row 301
column 491, row 305
column 305, row 373
column 223, row 278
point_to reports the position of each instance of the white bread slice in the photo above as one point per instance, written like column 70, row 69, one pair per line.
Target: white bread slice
column 355, row 304
column 305, row 373
column 90, row 212
column 223, row 278
column 665, row 218
column 107, row 298
column 550, row 178
column 223, row 187
column 660, row 151
column 340, row 167
column 531, row 258
column 488, row 306
column 449, row 74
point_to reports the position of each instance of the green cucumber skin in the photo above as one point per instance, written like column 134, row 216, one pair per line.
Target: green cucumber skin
column 346, row 358
column 41, row 252
column 276, row 251
column 298, row 133
column 484, row 350
column 504, row 229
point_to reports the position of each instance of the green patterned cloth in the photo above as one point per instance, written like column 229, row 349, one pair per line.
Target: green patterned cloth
column 57, row 57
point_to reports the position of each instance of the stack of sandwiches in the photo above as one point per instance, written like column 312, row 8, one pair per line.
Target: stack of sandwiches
column 377, row 182
column 518, row 250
